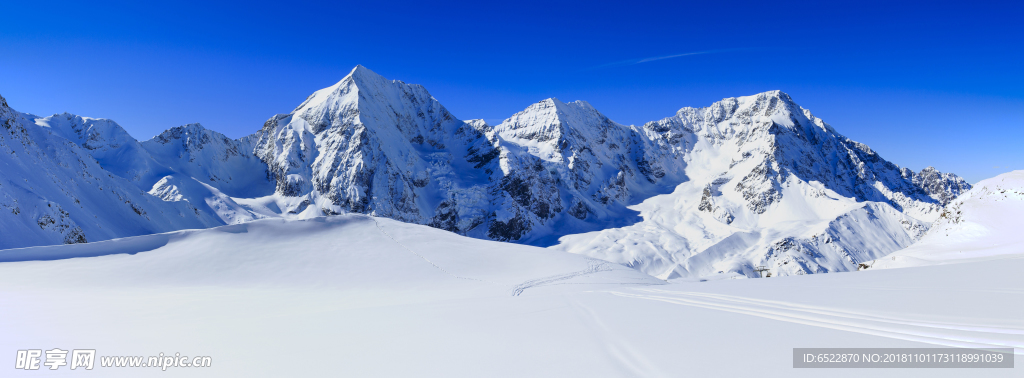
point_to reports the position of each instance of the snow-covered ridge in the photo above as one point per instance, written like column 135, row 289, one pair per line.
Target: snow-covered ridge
column 54, row 191
column 212, row 158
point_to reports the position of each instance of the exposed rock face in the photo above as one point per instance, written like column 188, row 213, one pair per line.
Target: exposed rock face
column 944, row 187
column 563, row 159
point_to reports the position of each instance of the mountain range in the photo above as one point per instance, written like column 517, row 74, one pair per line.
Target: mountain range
column 747, row 186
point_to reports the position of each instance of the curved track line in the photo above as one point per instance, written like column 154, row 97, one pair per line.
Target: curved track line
column 847, row 314
column 594, row 267
column 899, row 329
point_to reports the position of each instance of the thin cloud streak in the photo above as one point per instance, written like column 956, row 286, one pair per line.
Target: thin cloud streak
column 656, row 58
column 645, row 60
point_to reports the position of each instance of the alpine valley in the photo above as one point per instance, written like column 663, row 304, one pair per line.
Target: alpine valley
column 745, row 184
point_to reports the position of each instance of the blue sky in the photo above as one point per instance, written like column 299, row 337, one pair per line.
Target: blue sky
column 930, row 83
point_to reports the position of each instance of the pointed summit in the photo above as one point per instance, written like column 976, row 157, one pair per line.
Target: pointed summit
column 359, row 78
column 361, row 72
column 551, row 119
column 192, row 135
column 5, row 111
column 361, row 125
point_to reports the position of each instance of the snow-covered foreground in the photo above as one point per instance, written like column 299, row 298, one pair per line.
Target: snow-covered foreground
column 358, row 296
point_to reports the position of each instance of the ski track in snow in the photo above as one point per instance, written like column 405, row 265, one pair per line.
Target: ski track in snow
column 595, row 266
column 630, row 359
column 948, row 334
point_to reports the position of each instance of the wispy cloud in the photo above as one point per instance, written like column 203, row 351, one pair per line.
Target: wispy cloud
column 655, row 58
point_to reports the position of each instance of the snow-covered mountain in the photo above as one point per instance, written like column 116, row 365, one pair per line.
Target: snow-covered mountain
column 754, row 181
column 212, row 158
column 371, row 145
column 54, row 189
column 577, row 170
column 984, row 223
column 770, row 185
column 747, row 182
column 209, row 171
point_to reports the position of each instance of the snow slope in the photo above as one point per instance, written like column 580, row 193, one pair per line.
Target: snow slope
column 358, row 296
column 983, row 224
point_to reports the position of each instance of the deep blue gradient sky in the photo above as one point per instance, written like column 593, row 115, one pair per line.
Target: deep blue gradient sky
column 930, row 83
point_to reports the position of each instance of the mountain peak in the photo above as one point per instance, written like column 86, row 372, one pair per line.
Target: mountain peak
column 550, row 120
column 192, row 135
column 5, row 111
column 361, row 71
column 363, row 78
column 178, row 131
column 767, row 97
column 559, row 108
column 359, row 78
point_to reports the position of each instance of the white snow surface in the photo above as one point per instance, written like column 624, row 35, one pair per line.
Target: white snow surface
column 352, row 295
column 986, row 223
